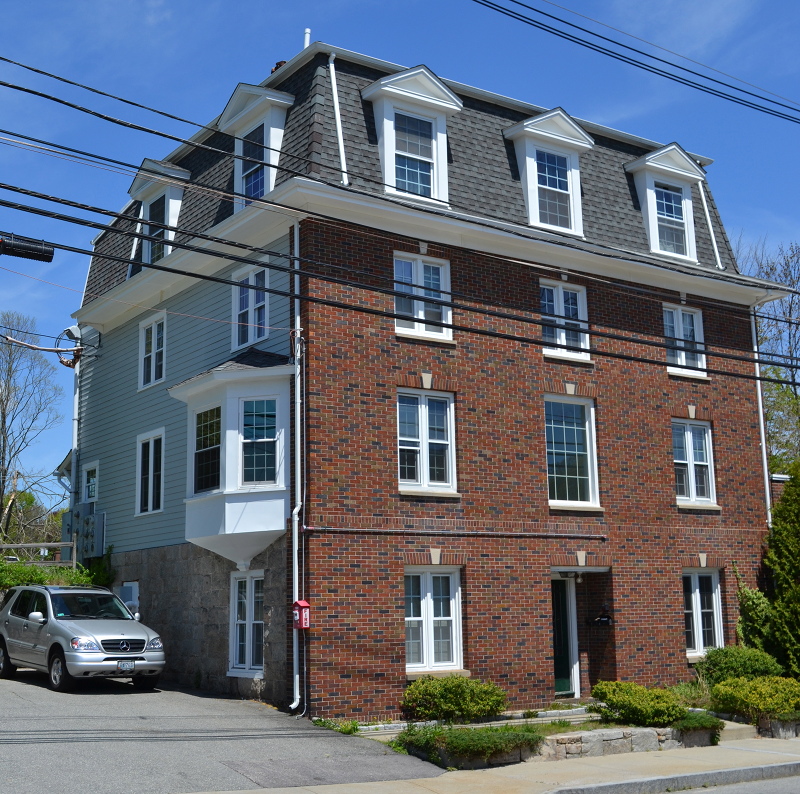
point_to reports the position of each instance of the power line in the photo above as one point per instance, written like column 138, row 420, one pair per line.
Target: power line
column 519, row 17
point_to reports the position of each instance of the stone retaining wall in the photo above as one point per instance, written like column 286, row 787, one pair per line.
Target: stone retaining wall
column 610, row 741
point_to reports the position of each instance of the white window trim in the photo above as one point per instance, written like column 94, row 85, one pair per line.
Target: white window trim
column 152, row 320
column 427, row 618
column 173, row 196
column 556, row 133
column 95, row 464
column 558, row 352
column 419, row 331
column 700, row 649
column 694, row 500
column 246, row 671
column 594, row 496
column 683, row 370
column 280, row 468
column 572, row 612
column 192, row 448
column 240, row 275
column 140, row 439
column 425, row 487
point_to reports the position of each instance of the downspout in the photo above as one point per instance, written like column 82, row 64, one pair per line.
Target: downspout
column 761, row 420
column 298, row 487
column 338, row 116
column 703, row 201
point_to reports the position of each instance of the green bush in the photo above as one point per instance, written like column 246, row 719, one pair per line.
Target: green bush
column 757, row 698
column 701, row 721
column 632, row 704
column 736, row 661
column 17, row 573
column 694, row 694
column 483, row 742
column 452, row 699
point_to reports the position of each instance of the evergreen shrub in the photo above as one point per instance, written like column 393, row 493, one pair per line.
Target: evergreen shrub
column 736, row 661
column 633, row 704
column 758, row 698
column 452, row 699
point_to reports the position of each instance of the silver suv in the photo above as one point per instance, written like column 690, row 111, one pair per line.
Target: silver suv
column 76, row 632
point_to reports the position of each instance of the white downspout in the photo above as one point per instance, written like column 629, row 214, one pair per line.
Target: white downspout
column 704, row 202
column 338, row 117
column 761, row 422
column 298, row 486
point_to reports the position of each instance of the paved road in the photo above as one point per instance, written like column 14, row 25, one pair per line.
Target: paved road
column 786, row 785
column 108, row 738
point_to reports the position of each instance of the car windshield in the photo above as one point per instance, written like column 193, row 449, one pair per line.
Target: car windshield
column 89, row 605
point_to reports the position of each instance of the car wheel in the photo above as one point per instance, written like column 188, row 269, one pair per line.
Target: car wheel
column 58, row 677
column 7, row 670
column 145, row 682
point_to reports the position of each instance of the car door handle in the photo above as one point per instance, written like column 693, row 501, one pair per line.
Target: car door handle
column 24, row 626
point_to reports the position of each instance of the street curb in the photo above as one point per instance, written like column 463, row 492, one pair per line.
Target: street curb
column 658, row 785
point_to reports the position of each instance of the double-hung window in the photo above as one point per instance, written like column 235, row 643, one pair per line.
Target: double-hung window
column 252, row 166
column 150, row 472
column 426, row 444
column 259, row 441
column 421, row 278
column 691, row 451
column 683, row 332
column 702, row 611
column 156, row 214
column 90, row 481
column 669, row 216
column 152, row 340
column 247, row 623
column 250, row 306
column 207, row 447
column 433, row 619
column 563, row 308
column 413, row 160
column 552, row 173
column 571, row 458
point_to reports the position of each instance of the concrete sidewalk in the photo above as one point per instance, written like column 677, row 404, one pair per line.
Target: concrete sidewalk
column 633, row 773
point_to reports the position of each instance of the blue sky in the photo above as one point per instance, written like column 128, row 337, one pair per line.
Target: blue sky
column 187, row 57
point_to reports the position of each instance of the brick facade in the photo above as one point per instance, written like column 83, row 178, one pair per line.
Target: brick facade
column 500, row 532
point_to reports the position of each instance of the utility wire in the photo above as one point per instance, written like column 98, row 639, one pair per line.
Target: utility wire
column 519, row 17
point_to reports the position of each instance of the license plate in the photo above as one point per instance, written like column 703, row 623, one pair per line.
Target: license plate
column 124, row 667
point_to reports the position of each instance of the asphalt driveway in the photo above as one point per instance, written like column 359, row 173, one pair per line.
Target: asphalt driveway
column 109, row 738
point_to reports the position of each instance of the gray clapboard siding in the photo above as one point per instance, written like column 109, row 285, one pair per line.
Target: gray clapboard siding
column 114, row 411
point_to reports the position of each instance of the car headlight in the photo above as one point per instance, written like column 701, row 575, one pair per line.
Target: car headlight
column 83, row 644
column 155, row 645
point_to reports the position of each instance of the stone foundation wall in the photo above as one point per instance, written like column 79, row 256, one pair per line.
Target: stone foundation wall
column 185, row 594
column 608, row 742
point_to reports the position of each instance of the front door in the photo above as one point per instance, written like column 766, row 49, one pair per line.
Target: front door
column 565, row 667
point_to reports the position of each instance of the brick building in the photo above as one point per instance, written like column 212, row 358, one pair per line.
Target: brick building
column 475, row 380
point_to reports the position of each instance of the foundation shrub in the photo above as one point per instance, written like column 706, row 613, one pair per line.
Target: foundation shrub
column 701, row 721
column 633, row 704
column 758, row 698
column 472, row 743
column 736, row 661
column 452, row 699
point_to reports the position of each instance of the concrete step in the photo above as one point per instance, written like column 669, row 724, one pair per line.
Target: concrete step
column 736, row 731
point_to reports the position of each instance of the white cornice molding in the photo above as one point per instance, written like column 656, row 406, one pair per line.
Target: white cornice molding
column 555, row 128
column 200, row 384
column 419, row 86
column 147, row 179
column 250, row 101
column 669, row 161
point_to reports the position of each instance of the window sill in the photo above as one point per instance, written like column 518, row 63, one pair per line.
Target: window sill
column 582, row 506
column 427, row 201
column 675, row 257
column 413, row 675
column 256, row 674
column 199, row 497
column 710, row 506
column 559, row 229
column 442, row 340
column 426, row 492
column 158, row 382
column 149, row 513
column 566, row 355
column 695, row 374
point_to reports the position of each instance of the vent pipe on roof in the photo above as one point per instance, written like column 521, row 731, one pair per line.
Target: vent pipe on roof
column 307, row 38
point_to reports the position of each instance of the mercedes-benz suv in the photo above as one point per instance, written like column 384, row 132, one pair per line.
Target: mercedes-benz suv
column 74, row 633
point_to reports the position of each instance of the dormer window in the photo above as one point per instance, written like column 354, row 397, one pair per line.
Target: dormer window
column 671, row 223
column 411, row 110
column 664, row 180
column 413, row 162
column 156, row 214
column 548, row 149
column 256, row 116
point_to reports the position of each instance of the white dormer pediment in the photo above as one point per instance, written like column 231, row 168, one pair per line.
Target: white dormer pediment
column 669, row 161
column 147, row 178
column 556, row 128
column 249, row 102
column 418, row 86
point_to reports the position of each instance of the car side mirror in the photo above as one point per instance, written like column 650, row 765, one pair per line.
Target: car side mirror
column 37, row 617
column 137, row 616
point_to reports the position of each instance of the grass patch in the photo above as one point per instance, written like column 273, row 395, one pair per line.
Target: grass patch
column 348, row 727
column 694, row 694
